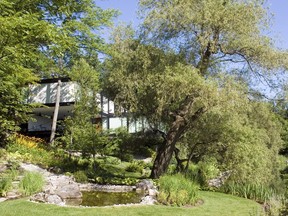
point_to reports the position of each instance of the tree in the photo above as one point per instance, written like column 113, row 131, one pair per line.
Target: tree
column 213, row 32
column 42, row 39
column 22, row 32
column 243, row 137
column 204, row 35
column 171, row 95
column 81, row 131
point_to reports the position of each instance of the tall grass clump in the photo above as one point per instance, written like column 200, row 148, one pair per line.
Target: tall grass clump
column 259, row 193
column 177, row 190
column 5, row 184
column 31, row 183
column 6, row 179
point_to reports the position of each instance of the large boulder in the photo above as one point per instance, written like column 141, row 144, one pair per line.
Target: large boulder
column 63, row 186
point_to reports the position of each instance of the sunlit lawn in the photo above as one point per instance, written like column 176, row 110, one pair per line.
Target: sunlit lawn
column 215, row 204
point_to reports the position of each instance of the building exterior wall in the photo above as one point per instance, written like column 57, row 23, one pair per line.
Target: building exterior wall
column 45, row 93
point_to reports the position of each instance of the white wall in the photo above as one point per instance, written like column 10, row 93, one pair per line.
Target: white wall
column 46, row 92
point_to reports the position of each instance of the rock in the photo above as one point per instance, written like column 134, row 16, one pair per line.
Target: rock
column 13, row 194
column 70, row 191
column 3, row 167
column 145, row 185
column 57, row 188
column 63, row 186
column 106, row 188
column 2, row 199
column 40, row 197
column 47, row 198
column 152, row 192
column 54, row 199
column 148, row 200
column 220, row 180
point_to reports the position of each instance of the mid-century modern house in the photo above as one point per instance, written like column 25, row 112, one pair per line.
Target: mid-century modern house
column 45, row 93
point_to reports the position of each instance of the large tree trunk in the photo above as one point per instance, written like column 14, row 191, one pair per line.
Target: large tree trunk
column 165, row 151
column 56, row 111
column 177, row 129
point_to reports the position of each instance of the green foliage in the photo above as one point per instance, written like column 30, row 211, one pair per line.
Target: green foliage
column 123, row 144
column 3, row 154
column 80, row 132
column 40, row 39
column 31, row 183
column 257, row 192
column 216, row 29
column 177, row 190
column 7, row 177
column 135, row 166
column 202, row 172
column 117, row 180
column 127, row 157
column 5, row 184
column 112, row 160
column 80, row 176
column 35, row 155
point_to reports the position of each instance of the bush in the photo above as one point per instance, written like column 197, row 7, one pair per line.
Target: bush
column 203, row 172
column 80, row 176
column 126, row 157
column 31, row 183
column 135, row 167
column 112, row 160
column 116, row 181
column 36, row 155
column 177, row 190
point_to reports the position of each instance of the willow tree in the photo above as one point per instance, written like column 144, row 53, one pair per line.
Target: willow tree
column 207, row 36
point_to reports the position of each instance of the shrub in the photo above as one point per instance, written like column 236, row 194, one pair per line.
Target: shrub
column 112, row 160
column 116, row 181
column 31, row 183
column 36, row 154
column 177, row 190
column 135, row 167
column 30, row 142
column 80, row 176
column 126, row 157
column 203, row 172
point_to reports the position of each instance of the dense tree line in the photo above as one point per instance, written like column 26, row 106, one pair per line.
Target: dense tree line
column 186, row 72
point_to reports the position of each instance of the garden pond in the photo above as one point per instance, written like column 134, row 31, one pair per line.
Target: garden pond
column 101, row 198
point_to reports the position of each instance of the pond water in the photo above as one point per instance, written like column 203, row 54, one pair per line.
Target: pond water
column 100, row 198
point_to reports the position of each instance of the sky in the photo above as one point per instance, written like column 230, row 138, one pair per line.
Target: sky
column 279, row 29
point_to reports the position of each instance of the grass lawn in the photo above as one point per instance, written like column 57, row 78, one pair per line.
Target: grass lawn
column 215, row 204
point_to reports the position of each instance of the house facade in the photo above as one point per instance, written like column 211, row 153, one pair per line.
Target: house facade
column 44, row 93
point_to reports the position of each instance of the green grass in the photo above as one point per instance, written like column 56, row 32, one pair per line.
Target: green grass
column 215, row 204
column 31, row 183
